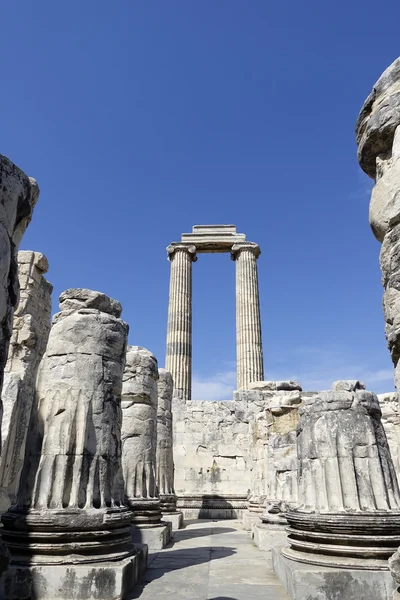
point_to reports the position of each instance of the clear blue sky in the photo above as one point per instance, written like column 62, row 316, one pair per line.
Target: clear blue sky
column 140, row 118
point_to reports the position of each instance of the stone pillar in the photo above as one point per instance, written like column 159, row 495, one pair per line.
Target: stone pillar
column 179, row 335
column 68, row 533
column 390, row 408
column 31, row 327
column 18, row 197
column 378, row 139
column 279, row 483
column 165, row 457
column 139, row 447
column 348, row 512
column 249, row 355
column 282, row 416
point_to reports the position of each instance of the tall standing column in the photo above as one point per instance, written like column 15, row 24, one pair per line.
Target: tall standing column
column 249, row 355
column 179, row 335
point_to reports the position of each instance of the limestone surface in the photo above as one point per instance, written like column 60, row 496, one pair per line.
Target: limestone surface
column 18, row 197
column 68, row 510
column 390, row 408
column 139, row 425
column 178, row 360
column 348, row 510
column 165, row 458
column 249, row 355
column 31, row 327
column 139, row 447
column 378, row 138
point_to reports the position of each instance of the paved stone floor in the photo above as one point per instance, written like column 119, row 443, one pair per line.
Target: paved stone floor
column 210, row 560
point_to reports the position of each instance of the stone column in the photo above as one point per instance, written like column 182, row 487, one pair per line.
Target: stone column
column 378, row 139
column 179, row 335
column 31, row 328
column 282, row 408
column 249, row 355
column 165, row 457
column 18, row 197
column 139, row 447
column 68, row 533
column 348, row 512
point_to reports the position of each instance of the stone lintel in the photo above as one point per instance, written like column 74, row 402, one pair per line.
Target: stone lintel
column 213, row 238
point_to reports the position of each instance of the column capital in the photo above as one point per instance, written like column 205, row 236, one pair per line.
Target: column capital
column 252, row 246
column 177, row 246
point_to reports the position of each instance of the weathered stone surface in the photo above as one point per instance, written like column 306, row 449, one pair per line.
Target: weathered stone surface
column 378, row 138
column 379, row 118
column 139, row 428
column 165, row 458
column 275, row 385
column 178, row 360
column 348, row 510
column 31, row 327
column 390, row 408
column 139, row 446
column 311, row 582
column 18, row 197
column 68, row 510
column 281, row 465
column 213, row 238
column 249, row 354
column 348, row 385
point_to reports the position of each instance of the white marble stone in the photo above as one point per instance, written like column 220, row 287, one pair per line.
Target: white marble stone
column 31, row 327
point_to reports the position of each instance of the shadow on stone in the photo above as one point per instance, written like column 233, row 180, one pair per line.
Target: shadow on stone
column 217, row 507
column 175, row 560
column 187, row 534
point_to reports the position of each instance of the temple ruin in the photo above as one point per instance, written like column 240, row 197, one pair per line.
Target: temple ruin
column 106, row 457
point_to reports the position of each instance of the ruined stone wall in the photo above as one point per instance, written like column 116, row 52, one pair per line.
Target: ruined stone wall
column 390, row 408
column 221, row 453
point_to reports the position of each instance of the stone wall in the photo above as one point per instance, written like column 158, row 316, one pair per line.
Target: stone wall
column 390, row 408
column 213, row 454
column 221, row 453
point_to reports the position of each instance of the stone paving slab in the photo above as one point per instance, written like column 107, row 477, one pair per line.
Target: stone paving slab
column 210, row 560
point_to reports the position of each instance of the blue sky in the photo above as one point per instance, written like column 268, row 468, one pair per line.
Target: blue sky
column 140, row 118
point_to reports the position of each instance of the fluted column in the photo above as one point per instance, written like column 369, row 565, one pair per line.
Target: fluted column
column 249, row 355
column 179, row 334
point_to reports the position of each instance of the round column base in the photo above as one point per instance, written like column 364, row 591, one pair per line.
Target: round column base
column 345, row 540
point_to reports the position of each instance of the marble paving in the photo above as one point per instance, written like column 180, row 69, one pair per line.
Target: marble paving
column 210, row 560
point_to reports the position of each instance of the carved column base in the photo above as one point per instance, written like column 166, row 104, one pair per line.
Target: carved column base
column 145, row 511
column 4, row 556
column 67, row 536
column 345, row 540
column 168, row 503
column 114, row 580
